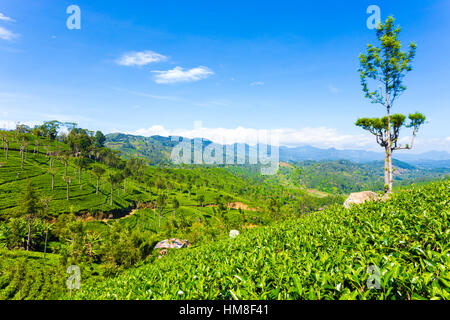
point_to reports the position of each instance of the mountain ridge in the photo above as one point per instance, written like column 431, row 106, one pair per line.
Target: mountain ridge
column 157, row 150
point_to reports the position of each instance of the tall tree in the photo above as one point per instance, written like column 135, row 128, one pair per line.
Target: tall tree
column 201, row 201
column 6, row 145
column 99, row 171
column 161, row 202
column 99, row 140
column 126, row 172
column 64, row 157
column 386, row 65
column 46, row 202
column 50, row 129
column 52, row 172
column 112, row 179
column 175, row 206
column 29, row 206
column 81, row 163
column 68, row 181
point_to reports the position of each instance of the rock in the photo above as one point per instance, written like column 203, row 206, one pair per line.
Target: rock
column 234, row 233
column 360, row 197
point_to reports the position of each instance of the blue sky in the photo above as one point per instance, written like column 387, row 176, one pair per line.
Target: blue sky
column 155, row 67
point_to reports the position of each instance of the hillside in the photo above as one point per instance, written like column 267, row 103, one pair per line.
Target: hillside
column 343, row 176
column 318, row 256
column 49, row 203
column 157, row 149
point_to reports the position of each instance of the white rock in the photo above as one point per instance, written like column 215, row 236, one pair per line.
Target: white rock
column 360, row 197
column 234, row 233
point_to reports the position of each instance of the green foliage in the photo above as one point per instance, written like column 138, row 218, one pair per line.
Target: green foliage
column 30, row 276
column 318, row 256
column 386, row 64
column 99, row 140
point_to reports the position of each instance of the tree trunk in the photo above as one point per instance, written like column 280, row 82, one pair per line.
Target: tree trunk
column 53, row 182
column 67, row 191
column 388, row 188
column 111, row 200
column 22, row 152
column 174, row 213
column 96, row 191
column 46, row 237
column 29, row 234
column 65, row 167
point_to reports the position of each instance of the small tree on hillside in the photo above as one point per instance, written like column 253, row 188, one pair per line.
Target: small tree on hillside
column 81, row 163
column 112, row 179
column 29, row 206
column 64, row 157
column 68, row 181
column 45, row 200
column 99, row 171
column 52, row 173
column 161, row 202
column 387, row 65
column 175, row 206
column 201, row 201
column 5, row 145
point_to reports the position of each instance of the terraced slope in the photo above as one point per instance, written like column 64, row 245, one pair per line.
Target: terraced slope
column 323, row 255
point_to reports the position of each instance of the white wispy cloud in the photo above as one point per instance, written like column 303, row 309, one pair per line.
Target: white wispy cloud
column 141, row 58
column 178, row 74
column 5, row 18
column 6, row 34
column 333, row 89
column 257, row 83
column 147, row 95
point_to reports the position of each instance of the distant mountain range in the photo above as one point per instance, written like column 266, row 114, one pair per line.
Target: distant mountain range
column 157, row 150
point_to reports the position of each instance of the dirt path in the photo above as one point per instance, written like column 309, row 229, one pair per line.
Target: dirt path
column 235, row 205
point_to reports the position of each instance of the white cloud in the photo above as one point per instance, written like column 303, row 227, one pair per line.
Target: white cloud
column 5, row 18
column 6, row 34
column 321, row 137
column 333, row 89
column 140, row 58
column 11, row 125
column 257, row 83
column 177, row 74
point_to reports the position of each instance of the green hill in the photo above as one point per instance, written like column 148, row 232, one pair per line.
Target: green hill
column 318, row 256
column 155, row 149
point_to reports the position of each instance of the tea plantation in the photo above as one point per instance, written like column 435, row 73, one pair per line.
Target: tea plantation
column 397, row 249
